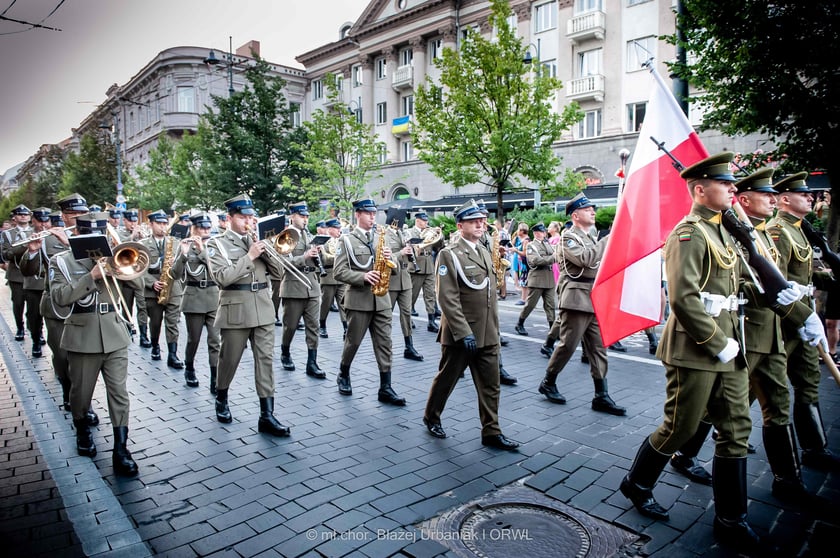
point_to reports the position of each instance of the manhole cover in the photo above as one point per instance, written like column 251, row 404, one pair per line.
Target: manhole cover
column 523, row 530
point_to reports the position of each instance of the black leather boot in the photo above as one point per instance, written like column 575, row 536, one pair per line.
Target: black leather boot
column 144, row 337
column 387, row 393
column 172, row 360
column 84, row 441
column 267, row 423
column 685, row 460
column 189, row 375
column 780, row 446
column 92, row 417
column 124, row 465
column 520, row 328
column 638, row 484
column 410, row 353
column 222, row 410
column 36, row 348
column 809, row 429
column 602, row 402
column 312, row 368
column 286, row 358
column 343, row 380
column 653, row 341
column 322, row 330
column 155, row 351
column 433, row 327
column 730, row 488
column 548, row 387
column 505, row 378
column 548, row 348
column 213, row 374
column 65, row 393
column 20, row 334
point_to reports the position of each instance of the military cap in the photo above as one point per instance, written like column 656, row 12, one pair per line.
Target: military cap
column 115, row 213
column 21, row 210
column 96, row 208
column 793, row 183
column 41, row 214
column 241, row 204
column 201, row 220
column 468, row 211
column 73, row 202
column 131, row 215
column 185, row 217
column 578, row 202
column 539, row 227
column 321, row 224
column 56, row 220
column 93, row 220
column 422, row 215
column 759, row 181
column 482, row 206
column 333, row 223
column 715, row 167
column 299, row 208
column 222, row 216
column 158, row 216
column 364, row 205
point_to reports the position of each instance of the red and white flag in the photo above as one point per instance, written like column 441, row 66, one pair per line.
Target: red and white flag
column 626, row 294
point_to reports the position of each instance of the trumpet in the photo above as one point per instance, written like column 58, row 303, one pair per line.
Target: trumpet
column 281, row 245
column 39, row 236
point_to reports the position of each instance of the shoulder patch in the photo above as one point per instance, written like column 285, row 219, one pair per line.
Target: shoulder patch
column 52, row 274
column 570, row 242
column 211, row 252
column 442, row 270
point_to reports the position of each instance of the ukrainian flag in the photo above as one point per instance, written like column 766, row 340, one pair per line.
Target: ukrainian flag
column 400, row 125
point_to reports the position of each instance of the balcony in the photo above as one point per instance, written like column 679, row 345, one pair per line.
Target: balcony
column 403, row 78
column 179, row 121
column 589, row 25
column 589, row 88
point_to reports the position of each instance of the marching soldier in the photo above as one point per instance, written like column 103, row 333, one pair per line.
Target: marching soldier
column 541, row 283
column 469, row 328
column 11, row 255
column 240, row 267
column 96, row 340
column 399, row 288
column 355, row 265
column 222, row 223
column 796, row 262
column 161, row 246
column 114, row 216
column 300, row 299
column 423, row 276
column 200, row 299
column 331, row 290
column 579, row 255
column 133, row 290
column 33, row 283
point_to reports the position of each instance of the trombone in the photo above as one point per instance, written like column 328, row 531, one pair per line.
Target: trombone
column 128, row 261
column 281, row 245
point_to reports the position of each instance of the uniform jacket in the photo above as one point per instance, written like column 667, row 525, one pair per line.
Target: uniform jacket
column 34, row 267
column 156, row 263
column 11, row 255
column 693, row 254
column 98, row 331
column 763, row 331
column 540, row 257
column 579, row 256
column 291, row 287
column 50, row 246
column 201, row 293
column 400, row 276
column 354, row 257
column 425, row 257
column 229, row 264
column 466, row 288
column 329, row 263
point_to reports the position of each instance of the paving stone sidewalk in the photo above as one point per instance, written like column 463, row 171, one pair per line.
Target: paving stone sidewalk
column 356, row 478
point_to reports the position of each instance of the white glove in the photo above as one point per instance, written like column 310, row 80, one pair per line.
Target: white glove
column 730, row 351
column 812, row 332
column 789, row 295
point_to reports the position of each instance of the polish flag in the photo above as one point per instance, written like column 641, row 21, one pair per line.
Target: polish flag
column 626, row 294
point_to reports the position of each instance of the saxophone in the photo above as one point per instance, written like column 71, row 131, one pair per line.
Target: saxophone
column 500, row 264
column 165, row 267
column 383, row 265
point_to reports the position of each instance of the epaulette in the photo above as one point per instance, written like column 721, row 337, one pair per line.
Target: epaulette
column 683, row 231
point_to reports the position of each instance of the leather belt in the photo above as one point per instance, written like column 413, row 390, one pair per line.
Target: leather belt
column 153, row 271
column 582, row 279
column 203, row 284
column 254, row 287
column 102, row 308
column 308, row 269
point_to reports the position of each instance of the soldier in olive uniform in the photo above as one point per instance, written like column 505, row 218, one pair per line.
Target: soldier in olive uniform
column 355, row 261
column 331, row 290
column 11, row 255
column 579, row 255
column 469, row 328
column 399, row 288
column 33, row 284
column 133, row 290
column 423, row 277
column 803, row 369
column 241, row 267
column 162, row 246
column 200, row 299
column 96, row 340
column 301, row 299
column 540, row 255
column 705, row 370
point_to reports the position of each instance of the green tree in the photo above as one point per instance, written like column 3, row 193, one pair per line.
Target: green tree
column 342, row 154
column 157, row 186
column 490, row 120
column 92, row 172
column 47, row 184
column 771, row 68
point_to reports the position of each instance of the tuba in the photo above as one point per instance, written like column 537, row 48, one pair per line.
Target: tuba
column 383, row 265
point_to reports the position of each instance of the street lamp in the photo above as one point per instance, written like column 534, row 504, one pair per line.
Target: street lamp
column 355, row 111
column 528, row 59
column 116, row 137
column 212, row 60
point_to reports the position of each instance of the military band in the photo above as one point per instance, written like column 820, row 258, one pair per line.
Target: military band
column 423, row 274
column 400, row 288
column 332, row 290
column 12, row 251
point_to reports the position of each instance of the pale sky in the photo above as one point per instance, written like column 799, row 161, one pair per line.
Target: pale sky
column 51, row 80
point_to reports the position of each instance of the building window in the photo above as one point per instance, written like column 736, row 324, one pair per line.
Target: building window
column 149, row 114
column 545, row 17
column 636, row 2
column 640, row 51
column 358, row 114
column 582, row 6
column 435, row 48
column 381, row 113
column 339, row 83
column 381, row 68
column 407, row 105
column 590, row 126
column 294, row 116
column 357, row 76
column 589, row 62
column 407, row 151
column 635, row 116
column 131, row 124
column 406, row 56
column 186, row 99
column 159, row 109
column 383, row 154
column 141, row 117
column 549, row 68
column 317, row 89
